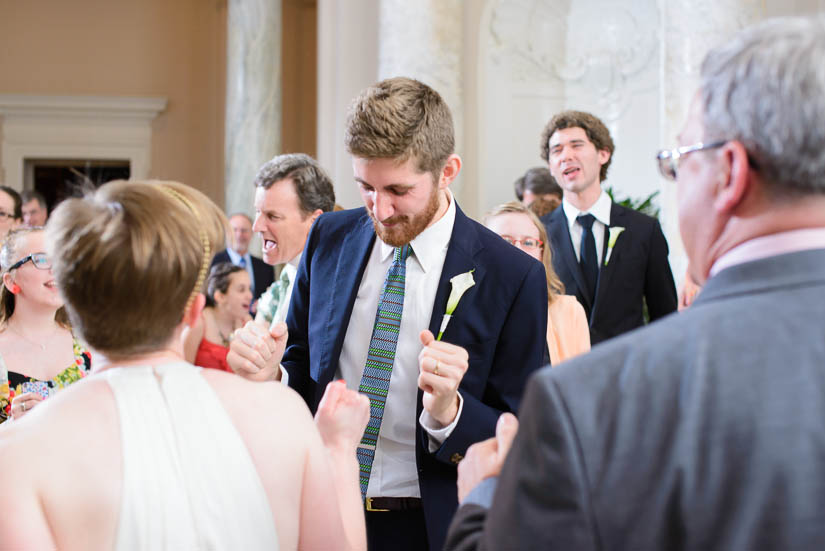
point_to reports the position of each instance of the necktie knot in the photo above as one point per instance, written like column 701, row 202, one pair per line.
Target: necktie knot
column 586, row 220
column 401, row 253
column 242, row 262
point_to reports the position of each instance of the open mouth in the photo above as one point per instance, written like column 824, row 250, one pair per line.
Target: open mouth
column 50, row 284
column 571, row 172
column 269, row 245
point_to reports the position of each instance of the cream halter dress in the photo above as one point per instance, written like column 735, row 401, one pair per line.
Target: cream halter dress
column 188, row 479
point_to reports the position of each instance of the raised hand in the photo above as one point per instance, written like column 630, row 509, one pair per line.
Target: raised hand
column 441, row 367
column 342, row 416
column 486, row 458
column 255, row 351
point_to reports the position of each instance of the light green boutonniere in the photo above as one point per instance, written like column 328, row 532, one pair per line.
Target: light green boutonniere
column 615, row 232
column 460, row 284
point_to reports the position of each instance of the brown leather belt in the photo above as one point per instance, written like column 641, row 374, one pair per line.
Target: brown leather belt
column 384, row 504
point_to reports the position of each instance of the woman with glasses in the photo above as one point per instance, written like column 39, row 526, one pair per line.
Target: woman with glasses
column 11, row 210
column 38, row 353
column 567, row 332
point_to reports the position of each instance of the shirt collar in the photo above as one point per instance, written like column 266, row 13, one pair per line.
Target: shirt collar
column 428, row 245
column 235, row 257
column 292, row 265
column 600, row 210
column 771, row 245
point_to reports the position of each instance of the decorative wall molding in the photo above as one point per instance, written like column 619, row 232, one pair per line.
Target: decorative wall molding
column 141, row 108
column 566, row 47
column 76, row 127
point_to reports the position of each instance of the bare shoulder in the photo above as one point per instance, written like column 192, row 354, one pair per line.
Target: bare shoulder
column 263, row 398
column 70, row 423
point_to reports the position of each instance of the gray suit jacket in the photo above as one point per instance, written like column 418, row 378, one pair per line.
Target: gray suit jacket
column 705, row 430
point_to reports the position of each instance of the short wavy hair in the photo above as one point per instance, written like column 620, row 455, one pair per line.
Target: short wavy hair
column 595, row 129
column 312, row 185
column 766, row 89
column 401, row 118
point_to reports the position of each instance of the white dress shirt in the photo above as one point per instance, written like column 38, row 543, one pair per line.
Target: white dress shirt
column 236, row 260
column 601, row 212
column 394, row 472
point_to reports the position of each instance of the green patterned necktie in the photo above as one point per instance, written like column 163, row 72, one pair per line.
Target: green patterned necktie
column 268, row 305
column 375, row 382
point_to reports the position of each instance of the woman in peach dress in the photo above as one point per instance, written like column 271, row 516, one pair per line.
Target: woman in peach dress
column 567, row 331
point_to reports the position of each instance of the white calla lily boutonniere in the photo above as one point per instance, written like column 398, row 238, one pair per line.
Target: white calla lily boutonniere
column 460, row 284
column 614, row 234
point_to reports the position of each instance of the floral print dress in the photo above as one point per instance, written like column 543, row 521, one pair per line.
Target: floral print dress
column 11, row 383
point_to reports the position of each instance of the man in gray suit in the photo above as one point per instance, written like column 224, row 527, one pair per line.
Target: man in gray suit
column 705, row 430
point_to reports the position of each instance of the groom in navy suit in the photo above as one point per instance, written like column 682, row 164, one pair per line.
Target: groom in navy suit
column 612, row 258
column 443, row 395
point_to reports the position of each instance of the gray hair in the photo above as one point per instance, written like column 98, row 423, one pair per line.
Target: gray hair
column 31, row 195
column 766, row 89
column 312, row 185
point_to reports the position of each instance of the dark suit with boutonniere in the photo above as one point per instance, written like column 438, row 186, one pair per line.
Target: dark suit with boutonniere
column 635, row 269
column 500, row 321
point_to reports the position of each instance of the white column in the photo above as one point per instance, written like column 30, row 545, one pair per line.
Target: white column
column 253, row 96
column 690, row 29
column 423, row 40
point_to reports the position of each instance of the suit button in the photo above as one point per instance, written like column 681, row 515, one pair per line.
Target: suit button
column 456, row 458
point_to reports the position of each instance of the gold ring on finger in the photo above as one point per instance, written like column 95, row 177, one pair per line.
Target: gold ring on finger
column 436, row 367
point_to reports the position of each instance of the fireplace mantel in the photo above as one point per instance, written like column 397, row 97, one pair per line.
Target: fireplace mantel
column 75, row 127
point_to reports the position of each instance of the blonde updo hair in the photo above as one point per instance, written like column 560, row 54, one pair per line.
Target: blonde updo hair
column 554, row 285
column 127, row 259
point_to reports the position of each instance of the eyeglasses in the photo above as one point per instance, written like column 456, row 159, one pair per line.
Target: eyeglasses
column 526, row 242
column 40, row 261
column 669, row 158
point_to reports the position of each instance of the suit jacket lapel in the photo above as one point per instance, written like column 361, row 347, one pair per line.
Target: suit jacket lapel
column 355, row 249
column 464, row 244
column 560, row 233
column 606, row 271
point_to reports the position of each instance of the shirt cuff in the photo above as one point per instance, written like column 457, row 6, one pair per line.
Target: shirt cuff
column 284, row 374
column 438, row 434
column 482, row 495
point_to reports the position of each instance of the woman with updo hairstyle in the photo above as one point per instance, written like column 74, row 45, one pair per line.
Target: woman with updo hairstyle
column 228, row 295
column 568, row 334
column 149, row 451
column 38, row 353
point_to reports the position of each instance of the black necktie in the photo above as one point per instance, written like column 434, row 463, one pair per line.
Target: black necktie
column 588, row 260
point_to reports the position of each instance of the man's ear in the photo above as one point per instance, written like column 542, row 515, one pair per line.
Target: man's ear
column 315, row 215
column 195, row 310
column 603, row 156
column 734, row 175
column 451, row 169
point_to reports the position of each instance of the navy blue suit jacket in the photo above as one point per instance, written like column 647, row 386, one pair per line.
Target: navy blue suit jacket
column 501, row 321
column 637, row 268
